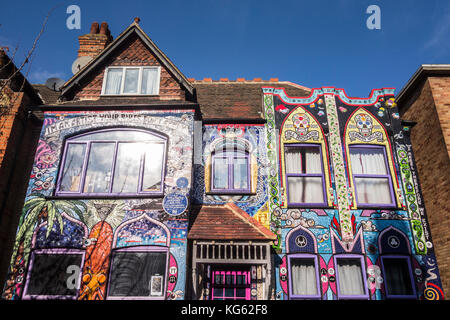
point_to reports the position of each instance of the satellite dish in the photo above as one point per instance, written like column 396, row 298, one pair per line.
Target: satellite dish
column 79, row 63
column 54, row 83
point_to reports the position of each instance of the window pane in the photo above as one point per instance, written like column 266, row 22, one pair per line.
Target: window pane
column 240, row 173
column 240, row 292
column 368, row 161
column 126, row 172
column 98, row 175
column 113, row 81
column 303, row 274
column 312, row 160
column 154, row 157
column 373, row 190
column 131, row 80
column 73, row 166
column 293, row 159
column 49, row 274
column 303, row 159
column 398, row 279
column 149, row 81
column 305, row 190
column 220, row 173
column 137, row 274
column 350, row 277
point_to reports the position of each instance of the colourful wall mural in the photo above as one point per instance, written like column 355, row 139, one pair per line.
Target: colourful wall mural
column 371, row 218
column 87, row 235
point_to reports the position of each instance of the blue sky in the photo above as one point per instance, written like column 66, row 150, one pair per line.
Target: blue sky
column 312, row 43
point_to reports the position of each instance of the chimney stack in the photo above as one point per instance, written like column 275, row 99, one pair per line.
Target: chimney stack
column 95, row 41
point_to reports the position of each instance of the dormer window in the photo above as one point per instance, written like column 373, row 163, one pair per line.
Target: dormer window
column 131, row 81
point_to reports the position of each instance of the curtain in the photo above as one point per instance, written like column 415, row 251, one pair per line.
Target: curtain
column 149, row 81
column 303, row 277
column 113, row 81
column 370, row 161
column 131, row 81
column 350, row 277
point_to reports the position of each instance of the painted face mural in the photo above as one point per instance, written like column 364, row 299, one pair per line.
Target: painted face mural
column 95, row 269
column 364, row 124
column 301, row 123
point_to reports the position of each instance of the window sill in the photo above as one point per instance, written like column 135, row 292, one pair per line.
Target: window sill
column 377, row 206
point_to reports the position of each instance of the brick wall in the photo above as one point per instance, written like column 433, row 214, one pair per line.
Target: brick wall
column 18, row 140
column 440, row 86
column 433, row 164
column 133, row 52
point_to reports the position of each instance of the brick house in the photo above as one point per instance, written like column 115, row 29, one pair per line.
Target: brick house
column 150, row 185
column 18, row 128
column 425, row 100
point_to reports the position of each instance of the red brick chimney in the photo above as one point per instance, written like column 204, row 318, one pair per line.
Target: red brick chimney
column 95, row 41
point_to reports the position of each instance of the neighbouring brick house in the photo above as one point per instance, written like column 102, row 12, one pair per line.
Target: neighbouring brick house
column 18, row 131
column 425, row 100
column 156, row 186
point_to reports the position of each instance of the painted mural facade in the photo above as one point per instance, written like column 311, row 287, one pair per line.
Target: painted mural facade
column 78, row 241
column 343, row 226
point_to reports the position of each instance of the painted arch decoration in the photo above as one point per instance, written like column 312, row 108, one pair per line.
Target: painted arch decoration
column 301, row 127
column 362, row 128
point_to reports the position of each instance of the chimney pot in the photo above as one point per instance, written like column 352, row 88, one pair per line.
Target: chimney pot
column 94, row 28
column 104, row 28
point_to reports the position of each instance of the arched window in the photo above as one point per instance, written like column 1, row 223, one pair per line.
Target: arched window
column 396, row 264
column 113, row 162
column 304, row 161
column 372, row 175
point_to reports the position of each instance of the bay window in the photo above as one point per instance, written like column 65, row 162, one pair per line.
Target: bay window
column 113, row 161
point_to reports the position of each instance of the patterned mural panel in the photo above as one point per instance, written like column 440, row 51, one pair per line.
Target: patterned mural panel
column 96, row 225
column 349, row 227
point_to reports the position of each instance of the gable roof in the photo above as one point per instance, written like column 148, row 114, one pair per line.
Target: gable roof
column 134, row 28
column 226, row 222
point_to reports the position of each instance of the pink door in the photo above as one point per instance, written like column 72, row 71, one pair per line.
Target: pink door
column 230, row 285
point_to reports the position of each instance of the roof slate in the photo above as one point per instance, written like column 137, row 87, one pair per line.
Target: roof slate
column 238, row 100
column 226, row 222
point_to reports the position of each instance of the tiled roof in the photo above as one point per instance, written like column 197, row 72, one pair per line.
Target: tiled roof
column 47, row 95
column 226, row 222
column 240, row 99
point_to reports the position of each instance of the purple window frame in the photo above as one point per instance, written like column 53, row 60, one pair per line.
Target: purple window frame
column 59, row 251
column 392, row 204
column 410, row 274
column 231, row 155
column 224, row 273
column 321, row 175
column 363, row 272
column 86, row 159
column 143, row 249
column 316, row 263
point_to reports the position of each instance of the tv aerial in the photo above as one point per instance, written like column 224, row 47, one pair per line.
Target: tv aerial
column 54, row 84
column 79, row 63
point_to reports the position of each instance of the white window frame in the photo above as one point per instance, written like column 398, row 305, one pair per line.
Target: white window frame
column 122, row 84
